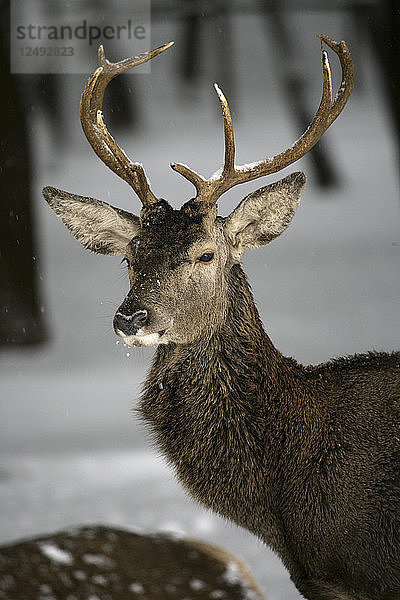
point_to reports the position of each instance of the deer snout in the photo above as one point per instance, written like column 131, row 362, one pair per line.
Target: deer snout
column 129, row 324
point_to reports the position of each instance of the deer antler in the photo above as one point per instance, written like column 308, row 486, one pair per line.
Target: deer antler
column 96, row 131
column 209, row 190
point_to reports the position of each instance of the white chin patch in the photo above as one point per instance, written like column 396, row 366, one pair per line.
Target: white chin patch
column 150, row 339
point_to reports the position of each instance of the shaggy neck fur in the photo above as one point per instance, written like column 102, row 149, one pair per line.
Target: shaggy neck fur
column 219, row 409
column 286, row 451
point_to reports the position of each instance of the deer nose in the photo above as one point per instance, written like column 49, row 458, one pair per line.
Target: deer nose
column 130, row 324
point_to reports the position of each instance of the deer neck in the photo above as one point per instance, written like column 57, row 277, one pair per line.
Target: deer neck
column 214, row 407
column 237, row 351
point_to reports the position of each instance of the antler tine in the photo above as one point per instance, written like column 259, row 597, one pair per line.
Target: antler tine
column 209, row 190
column 206, row 188
column 229, row 164
column 347, row 84
column 96, row 131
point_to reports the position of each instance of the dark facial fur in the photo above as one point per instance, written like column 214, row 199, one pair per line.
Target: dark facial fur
column 182, row 295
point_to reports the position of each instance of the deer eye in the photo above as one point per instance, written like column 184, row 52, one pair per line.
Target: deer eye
column 125, row 261
column 206, row 257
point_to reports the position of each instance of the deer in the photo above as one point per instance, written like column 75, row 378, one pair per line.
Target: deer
column 306, row 457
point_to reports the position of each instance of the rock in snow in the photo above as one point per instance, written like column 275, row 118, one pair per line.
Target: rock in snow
column 113, row 564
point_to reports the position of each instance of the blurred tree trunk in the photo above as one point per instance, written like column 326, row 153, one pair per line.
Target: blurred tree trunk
column 384, row 22
column 190, row 61
column 21, row 321
column 295, row 88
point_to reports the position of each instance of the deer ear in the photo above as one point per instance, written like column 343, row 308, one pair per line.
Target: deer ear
column 98, row 226
column 264, row 214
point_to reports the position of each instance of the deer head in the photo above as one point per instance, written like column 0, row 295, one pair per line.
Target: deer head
column 179, row 261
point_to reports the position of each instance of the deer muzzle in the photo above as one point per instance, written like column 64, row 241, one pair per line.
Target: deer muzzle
column 135, row 328
column 129, row 324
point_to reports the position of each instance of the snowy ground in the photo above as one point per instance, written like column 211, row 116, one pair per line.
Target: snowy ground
column 72, row 450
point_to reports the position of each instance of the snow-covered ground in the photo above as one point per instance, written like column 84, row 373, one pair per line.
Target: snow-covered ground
column 72, row 449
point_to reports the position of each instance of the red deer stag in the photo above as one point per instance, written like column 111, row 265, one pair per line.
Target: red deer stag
column 305, row 457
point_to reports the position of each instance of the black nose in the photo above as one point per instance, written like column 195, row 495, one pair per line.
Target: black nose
column 129, row 324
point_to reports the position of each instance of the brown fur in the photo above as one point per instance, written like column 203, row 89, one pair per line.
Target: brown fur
column 306, row 458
